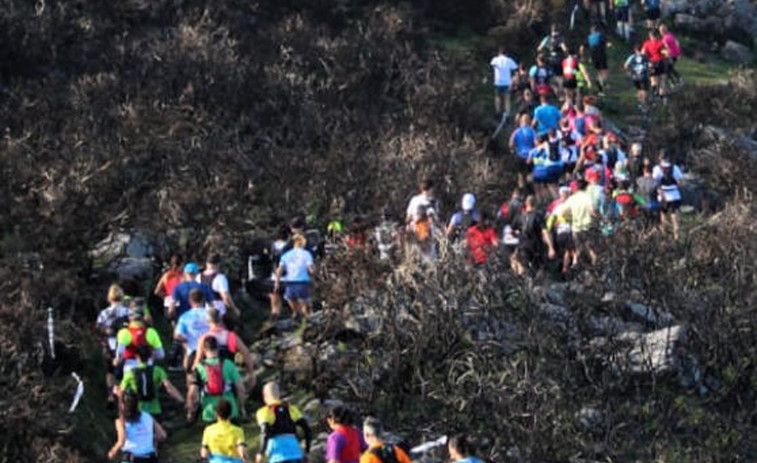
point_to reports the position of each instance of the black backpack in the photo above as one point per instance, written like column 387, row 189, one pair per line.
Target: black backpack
column 145, row 383
column 466, row 221
column 282, row 423
column 554, row 151
column 612, row 157
column 385, row 453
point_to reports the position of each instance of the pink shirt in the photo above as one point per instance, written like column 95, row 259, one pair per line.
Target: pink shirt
column 674, row 48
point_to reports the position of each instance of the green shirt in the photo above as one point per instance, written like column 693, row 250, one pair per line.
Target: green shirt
column 230, row 376
column 129, row 383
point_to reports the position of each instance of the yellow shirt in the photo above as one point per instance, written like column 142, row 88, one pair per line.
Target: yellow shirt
column 222, row 440
column 580, row 207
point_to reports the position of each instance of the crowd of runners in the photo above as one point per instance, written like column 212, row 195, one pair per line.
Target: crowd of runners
column 577, row 181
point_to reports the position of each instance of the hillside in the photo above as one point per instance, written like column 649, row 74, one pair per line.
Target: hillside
column 204, row 127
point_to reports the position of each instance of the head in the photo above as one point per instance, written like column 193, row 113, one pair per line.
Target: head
column 196, row 298
column 130, row 407
column 638, row 48
column 271, row 393
column 459, row 447
column 214, row 316
column 663, row 29
column 543, row 99
column 297, row 224
column 468, row 202
column 427, row 186
column 210, row 344
column 386, row 213
column 530, row 203
column 299, row 241
column 594, row 28
column 191, row 269
column 654, row 34
column 528, row 95
column 541, row 60
column 554, row 30
column 136, row 313
column 564, row 191
column 373, row 430
column 223, row 410
column 115, row 294
column 543, row 138
column 636, row 149
column 525, row 120
column 501, row 51
column 175, row 263
column 213, row 261
column 582, row 184
column 484, row 220
column 338, row 416
column 647, row 171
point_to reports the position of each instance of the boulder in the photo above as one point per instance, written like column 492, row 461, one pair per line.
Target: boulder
column 134, row 268
column 134, row 244
column 734, row 51
column 590, row 418
column 673, row 7
column 744, row 17
column 653, row 353
column 652, row 316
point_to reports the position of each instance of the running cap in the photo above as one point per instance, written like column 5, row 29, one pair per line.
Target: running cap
column 665, row 164
column 469, row 202
column 192, row 268
column 565, row 190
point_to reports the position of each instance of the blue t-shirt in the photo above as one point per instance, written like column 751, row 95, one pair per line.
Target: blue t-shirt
column 652, row 4
column 192, row 325
column 547, row 117
column 595, row 39
column 296, row 263
column 524, row 140
column 181, row 294
column 283, row 447
column 457, row 218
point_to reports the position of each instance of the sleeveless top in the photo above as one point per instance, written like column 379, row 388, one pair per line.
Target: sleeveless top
column 139, row 436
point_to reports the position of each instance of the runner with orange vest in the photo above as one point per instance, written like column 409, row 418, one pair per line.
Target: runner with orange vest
column 345, row 443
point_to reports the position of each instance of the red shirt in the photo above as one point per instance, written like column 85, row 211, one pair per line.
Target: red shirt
column 480, row 243
column 653, row 49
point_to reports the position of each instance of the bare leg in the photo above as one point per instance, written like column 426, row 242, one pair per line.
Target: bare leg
column 497, row 102
column 674, row 220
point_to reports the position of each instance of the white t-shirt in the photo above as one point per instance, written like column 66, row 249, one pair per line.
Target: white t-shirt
column 219, row 285
column 657, row 173
column 503, row 70
column 192, row 325
column 416, row 202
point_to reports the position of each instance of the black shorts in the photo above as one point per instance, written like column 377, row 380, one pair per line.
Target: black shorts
column 570, row 83
column 556, row 69
column 641, row 84
column 599, row 58
column 127, row 457
column 621, row 14
column 523, row 166
column 658, row 68
column 582, row 239
column 653, row 14
column 670, row 207
column 564, row 242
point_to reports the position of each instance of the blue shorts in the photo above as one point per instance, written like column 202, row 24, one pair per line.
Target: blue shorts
column 297, row 291
column 502, row 89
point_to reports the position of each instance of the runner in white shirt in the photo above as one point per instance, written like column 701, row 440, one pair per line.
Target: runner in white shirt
column 504, row 66
column 423, row 199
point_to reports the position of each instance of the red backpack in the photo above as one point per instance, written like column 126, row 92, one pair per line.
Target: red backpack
column 138, row 338
column 214, row 383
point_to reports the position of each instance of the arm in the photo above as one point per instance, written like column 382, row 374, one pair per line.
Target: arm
column 200, row 351
column 160, row 433
column 242, row 450
column 229, row 302
column 265, row 435
column 120, row 439
column 547, row 238
column 307, row 432
column 160, row 288
column 172, row 391
column 249, row 363
column 240, row 392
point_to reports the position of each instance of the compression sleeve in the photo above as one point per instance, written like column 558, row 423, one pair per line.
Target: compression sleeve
column 308, row 433
column 265, row 434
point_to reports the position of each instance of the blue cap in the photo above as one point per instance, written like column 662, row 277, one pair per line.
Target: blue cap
column 191, row 267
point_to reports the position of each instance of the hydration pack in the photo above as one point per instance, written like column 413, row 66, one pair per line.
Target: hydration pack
column 145, row 383
column 214, row 384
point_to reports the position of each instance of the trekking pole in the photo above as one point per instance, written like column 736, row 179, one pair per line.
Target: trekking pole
column 51, row 331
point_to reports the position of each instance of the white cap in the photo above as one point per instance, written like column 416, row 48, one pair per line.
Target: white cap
column 469, row 202
column 564, row 190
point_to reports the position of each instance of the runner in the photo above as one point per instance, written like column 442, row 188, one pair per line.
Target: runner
column 622, row 18
column 669, row 196
column 169, row 280
column 424, row 198
column 345, row 443
column 387, row 236
column 638, row 66
column 213, row 277
column 190, row 327
column 558, row 223
column 547, row 164
column 584, row 82
column 230, row 345
column 554, row 45
column 109, row 322
column 598, row 46
column 522, row 141
column 504, row 66
column 180, row 296
column 222, row 442
column 422, row 243
column 136, row 334
column 570, row 72
column 532, row 237
column 527, row 104
column 674, row 52
column 540, row 76
column 218, row 379
column 654, row 48
column 546, row 116
column 296, row 266
column 626, row 204
column 378, row 452
column 137, row 434
column 580, row 210
column 356, row 237
column 481, row 240
column 652, row 12
column 570, row 140
column 611, row 153
column 145, row 380
column 646, row 187
column 460, row 450
column 278, row 423
column 463, row 219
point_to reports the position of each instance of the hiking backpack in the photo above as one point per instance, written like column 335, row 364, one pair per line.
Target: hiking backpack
column 138, row 338
column 385, row 453
column 214, row 383
column 145, row 383
column 466, row 221
column 282, row 423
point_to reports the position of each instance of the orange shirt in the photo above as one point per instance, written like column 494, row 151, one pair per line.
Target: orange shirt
column 369, row 457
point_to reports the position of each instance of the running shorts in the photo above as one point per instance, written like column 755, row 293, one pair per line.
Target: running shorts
column 297, row 291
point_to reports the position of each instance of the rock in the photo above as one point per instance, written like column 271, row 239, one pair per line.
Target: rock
column 673, row 7
column 610, row 326
column 690, row 23
column 134, row 244
column 590, row 418
column 654, row 352
column 737, row 52
column 744, row 17
column 608, row 297
column 650, row 315
column 135, row 268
